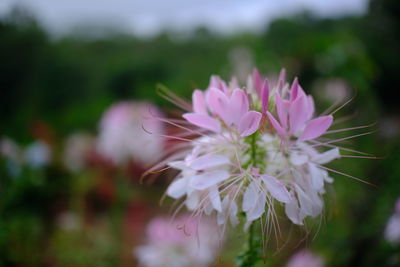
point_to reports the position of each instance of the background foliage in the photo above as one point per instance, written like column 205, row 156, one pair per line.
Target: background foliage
column 54, row 87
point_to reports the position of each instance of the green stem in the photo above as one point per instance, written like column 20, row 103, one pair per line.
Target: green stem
column 251, row 255
column 250, row 237
column 253, row 148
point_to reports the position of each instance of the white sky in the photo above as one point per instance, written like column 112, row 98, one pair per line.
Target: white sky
column 148, row 17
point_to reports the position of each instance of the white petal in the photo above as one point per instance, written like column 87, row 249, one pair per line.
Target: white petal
column 233, row 214
column 208, row 161
column 327, row 156
column 258, row 210
column 306, row 205
column 247, row 225
column 229, row 209
column 208, row 209
column 221, row 216
column 215, row 198
column 318, row 205
column 317, row 176
column 276, row 188
column 328, row 179
column 192, row 200
column 309, row 203
column 180, row 165
column 250, row 196
column 177, row 188
column 298, row 159
column 208, row 179
column 292, row 210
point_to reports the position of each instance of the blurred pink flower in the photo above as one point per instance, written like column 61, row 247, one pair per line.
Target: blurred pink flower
column 76, row 149
column 305, row 258
column 179, row 242
column 392, row 231
column 128, row 132
column 68, row 221
column 335, row 90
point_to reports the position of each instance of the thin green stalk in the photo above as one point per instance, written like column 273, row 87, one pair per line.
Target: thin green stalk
column 252, row 253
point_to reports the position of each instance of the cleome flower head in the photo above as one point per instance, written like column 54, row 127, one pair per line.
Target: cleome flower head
column 256, row 148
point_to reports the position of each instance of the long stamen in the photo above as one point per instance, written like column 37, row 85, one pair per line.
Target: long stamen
column 346, row 138
column 347, row 175
column 350, row 129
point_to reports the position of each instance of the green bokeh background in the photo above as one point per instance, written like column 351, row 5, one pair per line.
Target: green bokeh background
column 66, row 84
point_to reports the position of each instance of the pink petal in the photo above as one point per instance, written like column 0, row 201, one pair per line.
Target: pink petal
column 214, row 81
column 286, row 103
column 249, row 123
column 203, row 121
column 264, row 96
column 301, row 92
column 281, row 110
column 217, row 102
column 217, row 82
column 233, row 83
column 298, row 114
column 282, row 78
column 208, row 179
column 199, row 102
column 310, row 107
column 257, row 81
column 316, row 127
column 237, row 107
column 276, row 188
column 294, row 89
column 279, row 130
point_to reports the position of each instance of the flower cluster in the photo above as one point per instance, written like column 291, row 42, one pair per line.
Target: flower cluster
column 256, row 148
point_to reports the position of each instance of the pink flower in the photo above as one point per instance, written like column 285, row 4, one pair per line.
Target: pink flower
column 392, row 231
column 183, row 241
column 128, row 132
column 255, row 148
column 295, row 116
column 76, row 149
column 218, row 106
column 305, row 258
